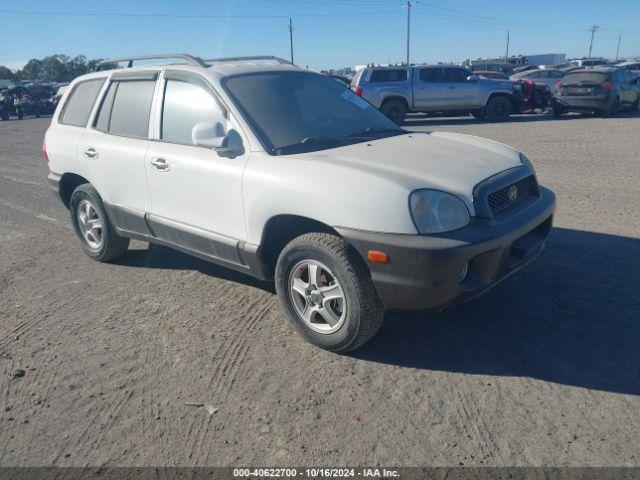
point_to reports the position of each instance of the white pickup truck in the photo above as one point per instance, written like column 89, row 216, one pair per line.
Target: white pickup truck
column 288, row 176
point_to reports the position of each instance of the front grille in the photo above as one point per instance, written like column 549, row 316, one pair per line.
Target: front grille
column 511, row 195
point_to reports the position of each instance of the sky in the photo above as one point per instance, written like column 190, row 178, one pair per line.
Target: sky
column 327, row 33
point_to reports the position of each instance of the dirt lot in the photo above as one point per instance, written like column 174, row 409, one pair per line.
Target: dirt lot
column 544, row 370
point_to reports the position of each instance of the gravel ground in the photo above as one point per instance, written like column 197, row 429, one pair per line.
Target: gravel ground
column 543, row 370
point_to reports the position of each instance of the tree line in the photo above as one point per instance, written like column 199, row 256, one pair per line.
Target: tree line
column 54, row 68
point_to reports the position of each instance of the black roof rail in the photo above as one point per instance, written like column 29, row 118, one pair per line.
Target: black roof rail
column 189, row 59
column 257, row 57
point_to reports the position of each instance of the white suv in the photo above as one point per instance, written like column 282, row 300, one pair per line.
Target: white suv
column 287, row 175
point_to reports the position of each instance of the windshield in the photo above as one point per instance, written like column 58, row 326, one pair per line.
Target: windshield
column 585, row 78
column 294, row 112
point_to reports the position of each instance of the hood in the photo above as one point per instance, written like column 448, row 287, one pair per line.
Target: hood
column 450, row 162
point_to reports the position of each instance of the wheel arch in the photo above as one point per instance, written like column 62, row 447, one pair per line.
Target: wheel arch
column 280, row 230
column 400, row 98
column 68, row 183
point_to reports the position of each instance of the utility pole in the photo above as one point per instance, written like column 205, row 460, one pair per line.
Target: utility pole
column 291, row 39
column 408, row 5
column 618, row 49
column 506, row 57
column 594, row 28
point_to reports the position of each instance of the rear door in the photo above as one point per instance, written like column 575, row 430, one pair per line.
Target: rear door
column 461, row 92
column 113, row 150
column 196, row 193
column 429, row 90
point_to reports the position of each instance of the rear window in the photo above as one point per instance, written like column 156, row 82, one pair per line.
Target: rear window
column 126, row 108
column 388, row 76
column 585, row 77
column 78, row 107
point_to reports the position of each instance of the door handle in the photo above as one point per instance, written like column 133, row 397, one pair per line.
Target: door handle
column 91, row 153
column 161, row 164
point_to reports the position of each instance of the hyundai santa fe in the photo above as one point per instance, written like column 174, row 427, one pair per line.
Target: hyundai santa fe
column 288, row 176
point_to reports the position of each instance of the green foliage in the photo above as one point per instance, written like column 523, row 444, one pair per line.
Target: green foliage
column 54, row 68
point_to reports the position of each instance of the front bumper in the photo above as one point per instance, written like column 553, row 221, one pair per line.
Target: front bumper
column 424, row 272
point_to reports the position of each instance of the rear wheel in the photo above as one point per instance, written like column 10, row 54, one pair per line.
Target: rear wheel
column 613, row 108
column 327, row 292
column 97, row 236
column 498, row 108
column 635, row 106
column 395, row 110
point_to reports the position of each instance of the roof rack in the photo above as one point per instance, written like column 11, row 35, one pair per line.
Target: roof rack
column 242, row 59
column 189, row 59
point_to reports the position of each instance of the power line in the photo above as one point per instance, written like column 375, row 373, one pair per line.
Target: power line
column 171, row 15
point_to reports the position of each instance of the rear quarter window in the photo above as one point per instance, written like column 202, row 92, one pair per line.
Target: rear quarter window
column 388, row 76
column 78, row 107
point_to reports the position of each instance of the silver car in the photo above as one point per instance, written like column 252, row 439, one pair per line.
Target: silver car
column 549, row 77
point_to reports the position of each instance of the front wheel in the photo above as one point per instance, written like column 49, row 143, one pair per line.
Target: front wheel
column 498, row 109
column 327, row 292
column 97, row 236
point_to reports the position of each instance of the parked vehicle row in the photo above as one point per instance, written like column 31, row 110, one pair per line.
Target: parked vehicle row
column 397, row 91
column 33, row 100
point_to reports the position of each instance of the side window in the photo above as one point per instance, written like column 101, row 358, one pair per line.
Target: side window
column 186, row 103
column 388, row 76
column 126, row 108
column 78, row 107
column 457, row 75
column 431, row 75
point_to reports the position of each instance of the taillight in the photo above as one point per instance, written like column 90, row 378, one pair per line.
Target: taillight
column 358, row 91
column 44, row 150
column 559, row 85
column 607, row 85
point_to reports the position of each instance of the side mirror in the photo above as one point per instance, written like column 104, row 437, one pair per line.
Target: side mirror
column 473, row 78
column 209, row 134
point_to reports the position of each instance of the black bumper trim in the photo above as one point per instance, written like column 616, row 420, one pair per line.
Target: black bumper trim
column 423, row 272
column 53, row 179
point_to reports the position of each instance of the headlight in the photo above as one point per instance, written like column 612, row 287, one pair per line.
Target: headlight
column 435, row 212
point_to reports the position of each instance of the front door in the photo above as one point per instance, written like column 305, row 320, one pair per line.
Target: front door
column 196, row 195
column 462, row 93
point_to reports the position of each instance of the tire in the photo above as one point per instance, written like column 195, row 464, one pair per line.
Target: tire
column 635, row 106
column 558, row 111
column 613, row 108
column 111, row 245
column 395, row 110
column 20, row 114
column 357, row 313
column 498, row 108
column 5, row 116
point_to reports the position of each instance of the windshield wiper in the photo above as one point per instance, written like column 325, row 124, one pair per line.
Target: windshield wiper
column 308, row 142
column 371, row 132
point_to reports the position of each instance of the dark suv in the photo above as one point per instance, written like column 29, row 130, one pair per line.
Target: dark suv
column 600, row 89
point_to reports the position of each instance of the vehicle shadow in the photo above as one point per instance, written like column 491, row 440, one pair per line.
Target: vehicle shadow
column 572, row 317
column 422, row 120
column 158, row 256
